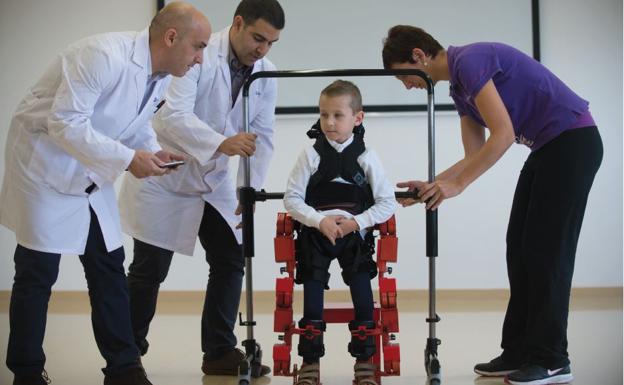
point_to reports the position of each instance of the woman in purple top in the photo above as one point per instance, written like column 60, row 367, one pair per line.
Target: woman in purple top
column 518, row 99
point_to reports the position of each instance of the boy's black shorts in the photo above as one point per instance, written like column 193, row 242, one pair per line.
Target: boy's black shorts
column 314, row 254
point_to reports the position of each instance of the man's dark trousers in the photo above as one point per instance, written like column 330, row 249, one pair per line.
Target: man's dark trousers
column 224, row 256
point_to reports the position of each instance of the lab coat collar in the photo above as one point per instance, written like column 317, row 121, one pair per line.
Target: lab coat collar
column 222, row 53
column 224, row 43
column 141, row 55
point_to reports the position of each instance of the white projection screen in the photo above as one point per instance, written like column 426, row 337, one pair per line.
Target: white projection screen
column 344, row 34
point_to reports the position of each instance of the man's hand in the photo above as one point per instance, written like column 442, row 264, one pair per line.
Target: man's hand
column 145, row 163
column 330, row 228
column 166, row 156
column 239, row 211
column 411, row 186
column 348, row 226
column 243, row 144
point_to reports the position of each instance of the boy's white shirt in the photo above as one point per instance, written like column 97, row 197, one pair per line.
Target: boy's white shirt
column 307, row 164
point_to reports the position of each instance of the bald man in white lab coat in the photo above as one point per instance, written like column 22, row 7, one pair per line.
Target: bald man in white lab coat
column 80, row 127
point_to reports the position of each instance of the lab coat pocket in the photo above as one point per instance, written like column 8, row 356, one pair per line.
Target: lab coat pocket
column 51, row 165
column 219, row 175
column 188, row 179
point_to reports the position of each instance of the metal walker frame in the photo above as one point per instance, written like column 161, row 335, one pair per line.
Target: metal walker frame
column 251, row 366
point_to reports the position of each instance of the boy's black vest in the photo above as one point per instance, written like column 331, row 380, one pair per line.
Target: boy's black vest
column 323, row 194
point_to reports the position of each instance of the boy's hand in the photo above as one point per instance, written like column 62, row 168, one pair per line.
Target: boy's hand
column 348, row 226
column 330, row 228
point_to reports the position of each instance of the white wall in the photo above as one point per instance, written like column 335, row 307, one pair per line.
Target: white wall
column 581, row 42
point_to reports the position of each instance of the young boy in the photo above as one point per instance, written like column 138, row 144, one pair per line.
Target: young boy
column 337, row 191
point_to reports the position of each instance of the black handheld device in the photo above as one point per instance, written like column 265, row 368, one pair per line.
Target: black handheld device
column 173, row 164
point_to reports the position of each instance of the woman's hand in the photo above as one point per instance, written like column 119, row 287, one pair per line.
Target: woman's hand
column 435, row 193
column 411, row 186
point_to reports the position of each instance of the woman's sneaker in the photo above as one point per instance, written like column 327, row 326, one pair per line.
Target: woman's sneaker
column 495, row 368
column 536, row 375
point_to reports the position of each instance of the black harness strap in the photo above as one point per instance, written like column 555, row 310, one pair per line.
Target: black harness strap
column 335, row 164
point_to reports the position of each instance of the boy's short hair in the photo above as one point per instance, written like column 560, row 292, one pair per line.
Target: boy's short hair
column 344, row 87
column 268, row 10
column 402, row 39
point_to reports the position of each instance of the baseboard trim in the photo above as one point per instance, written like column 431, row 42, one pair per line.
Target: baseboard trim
column 447, row 300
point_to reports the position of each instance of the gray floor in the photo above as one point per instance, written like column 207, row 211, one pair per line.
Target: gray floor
column 595, row 338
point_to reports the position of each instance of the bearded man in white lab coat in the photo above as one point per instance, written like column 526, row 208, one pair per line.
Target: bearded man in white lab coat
column 203, row 120
column 83, row 123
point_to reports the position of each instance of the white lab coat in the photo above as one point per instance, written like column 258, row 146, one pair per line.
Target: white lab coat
column 197, row 116
column 78, row 125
